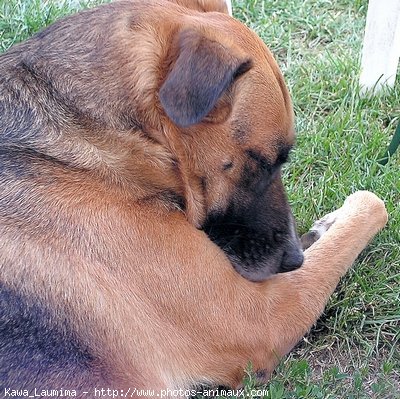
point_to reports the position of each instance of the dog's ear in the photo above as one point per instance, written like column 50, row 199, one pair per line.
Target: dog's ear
column 202, row 71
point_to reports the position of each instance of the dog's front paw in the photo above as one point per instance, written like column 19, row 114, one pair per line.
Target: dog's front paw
column 319, row 228
column 366, row 206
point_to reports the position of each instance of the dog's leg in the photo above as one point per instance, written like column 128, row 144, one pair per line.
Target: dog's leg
column 262, row 322
column 300, row 296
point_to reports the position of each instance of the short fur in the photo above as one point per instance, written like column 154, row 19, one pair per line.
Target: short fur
column 131, row 134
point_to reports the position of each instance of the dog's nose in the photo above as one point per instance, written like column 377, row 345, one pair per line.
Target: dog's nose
column 293, row 258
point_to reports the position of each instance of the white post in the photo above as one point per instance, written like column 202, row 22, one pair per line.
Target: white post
column 381, row 48
column 229, row 5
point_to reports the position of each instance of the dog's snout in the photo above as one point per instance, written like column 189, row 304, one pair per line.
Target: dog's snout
column 293, row 257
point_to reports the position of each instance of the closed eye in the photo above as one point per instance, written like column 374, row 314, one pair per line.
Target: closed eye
column 260, row 160
column 260, row 171
column 283, row 155
column 265, row 164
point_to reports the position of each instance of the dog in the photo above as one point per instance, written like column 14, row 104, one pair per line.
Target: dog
column 146, row 238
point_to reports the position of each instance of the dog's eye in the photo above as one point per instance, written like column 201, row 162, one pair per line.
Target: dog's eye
column 283, row 155
column 227, row 165
column 261, row 161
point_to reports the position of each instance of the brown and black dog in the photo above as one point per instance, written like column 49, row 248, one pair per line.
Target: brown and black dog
column 143, row 222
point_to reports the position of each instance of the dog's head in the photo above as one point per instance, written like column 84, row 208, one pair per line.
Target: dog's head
column 225, row 94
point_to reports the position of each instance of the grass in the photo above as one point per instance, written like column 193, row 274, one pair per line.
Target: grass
column 352, row 352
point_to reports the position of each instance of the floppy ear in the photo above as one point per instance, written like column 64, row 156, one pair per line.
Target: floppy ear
column 203, row 70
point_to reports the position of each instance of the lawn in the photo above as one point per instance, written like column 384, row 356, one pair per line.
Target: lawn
column 353, row 350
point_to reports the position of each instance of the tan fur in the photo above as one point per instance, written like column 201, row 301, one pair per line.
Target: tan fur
column 157, row 303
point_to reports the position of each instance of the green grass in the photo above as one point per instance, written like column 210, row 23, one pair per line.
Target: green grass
column 352, row 352
column 20, row 19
